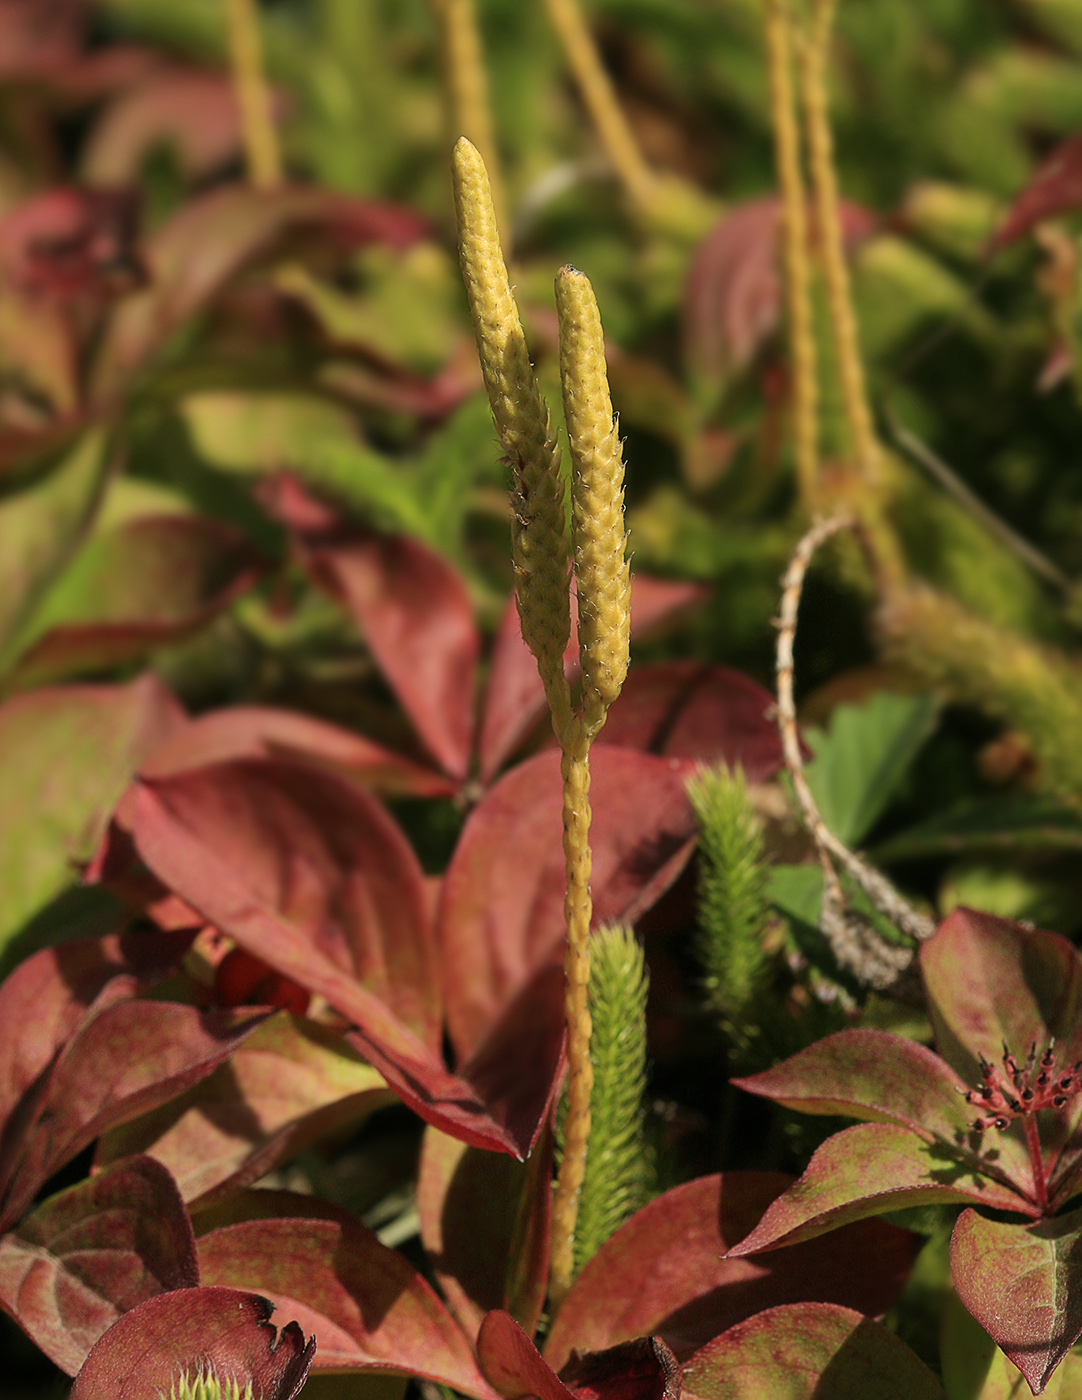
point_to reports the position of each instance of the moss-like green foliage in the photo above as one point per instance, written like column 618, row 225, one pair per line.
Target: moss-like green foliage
column 617, row 1164
column 208, row 1387
column 733, row 900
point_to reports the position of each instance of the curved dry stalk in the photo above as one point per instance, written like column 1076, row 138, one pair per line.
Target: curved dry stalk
column 855, row 945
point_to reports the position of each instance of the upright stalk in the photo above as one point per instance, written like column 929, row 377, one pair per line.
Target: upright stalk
column 253, row 96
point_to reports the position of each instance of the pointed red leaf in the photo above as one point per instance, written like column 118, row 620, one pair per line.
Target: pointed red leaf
column 259, row 731
column 990, row 981
column 415, row 614
column 150, row 581
column 127, row 1059
column 1054, row 188
column 1023, row 1284
column 290, row 1083
column 93, row 1252
column 886, row 1078
column 501, row 911
column 185, row 829
column 869, row 1170
column 193, row 1331
column 318, row 856
column 514, row 697
column 664, row 1272
column 368, row 1306
column 485, row 1226
column 809, row 1351
column 708, row 713
column 512, row 1364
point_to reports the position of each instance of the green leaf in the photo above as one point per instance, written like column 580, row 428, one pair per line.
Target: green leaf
column 869, row 1170
column 1023, row 1284
column 808, row 1351
column 861, row 761
column 65, row 757
column 41, row 526
column 1001, row 824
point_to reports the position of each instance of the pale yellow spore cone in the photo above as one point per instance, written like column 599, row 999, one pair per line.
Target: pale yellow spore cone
column 599, row 539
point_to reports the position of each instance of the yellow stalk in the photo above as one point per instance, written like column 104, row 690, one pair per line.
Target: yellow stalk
column 253, row 96
column 468, row 107
column 813, row 53
column 599, row 99
column 802, row 354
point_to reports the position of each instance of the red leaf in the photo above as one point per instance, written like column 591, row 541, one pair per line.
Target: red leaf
column 290, row 1083
column 193, row 1331
column 416, row 617
column 708, row 713
column 369, row 1308
column 663, row 1272
column 485, row 1226
column 186, row 828
column 514, row 697
column 72, row 247
column 644, row 1369
column 126, row 1059
column 501, row 912
column 39, row 36
column 93, row 1252
column 809, row 1351
column 513, row 1365
column 1054, row 188
column 1023, row 1284
column 322, row 859
column 149, row 582
column 257, row 731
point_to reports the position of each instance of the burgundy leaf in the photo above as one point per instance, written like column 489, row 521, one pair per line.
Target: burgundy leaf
column 485, row 1226
column 125, row 1060
column 212, row 239
column 258, row 731
column 369, row 1308
column 322, row 859
column 663, row 1271
column 501, row 911
column 194, row 1331
column 290, row 1083
column 809, row 1351
column 869, row 1170
column 709, row 713
column 1054, row 188
column 194, row 113
column 512, row 1364
column 1023, row 1284
column 71, row 247
column 880, row 1077
column 151, row 581
column 990, row 981
column 514, row 696
column 416, row 617
column 40, row 36
column 93, row 1252
column 185, row 828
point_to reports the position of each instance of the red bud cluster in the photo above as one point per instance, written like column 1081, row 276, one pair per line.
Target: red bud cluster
column 1022, row 1089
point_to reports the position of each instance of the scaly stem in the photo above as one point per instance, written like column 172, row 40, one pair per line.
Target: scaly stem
column 778, row 26
column 1040, row 1181
column 253, row 98
column 578, row 909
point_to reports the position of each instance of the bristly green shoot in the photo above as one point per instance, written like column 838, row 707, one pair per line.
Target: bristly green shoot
column 733, row 904
column 617, row 1181
column 206, row 1386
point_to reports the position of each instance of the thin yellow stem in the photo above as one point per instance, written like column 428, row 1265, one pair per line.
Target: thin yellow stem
column 599, row 99
column 469, row 111
column 253, row 96
column 813, row 51
column 578, row 910
column 802, row 354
